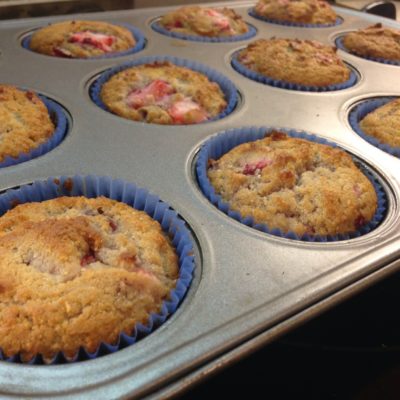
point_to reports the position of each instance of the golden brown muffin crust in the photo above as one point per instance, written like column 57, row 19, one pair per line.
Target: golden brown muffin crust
column 163, row 93
column 374, row 41
column 24, row 122
column 304, row 62
column 76, row 271
column 298, row 11
column 384, row 123
column 81, row 39
column 208, row 22
column 294, row 185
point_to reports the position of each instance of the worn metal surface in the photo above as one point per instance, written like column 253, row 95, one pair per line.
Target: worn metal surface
column 247, row 282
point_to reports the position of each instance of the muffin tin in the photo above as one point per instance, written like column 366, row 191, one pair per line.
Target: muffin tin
column 249, row 287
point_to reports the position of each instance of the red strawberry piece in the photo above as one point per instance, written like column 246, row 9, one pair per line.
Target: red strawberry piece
column 153, row 93
column 359, row 221
column 60, row 52
column 180, row 110
column 250, row 169
column 98, row 40
column 218, row 19
column 357, row 190
column 113, row 225
column 88, row 258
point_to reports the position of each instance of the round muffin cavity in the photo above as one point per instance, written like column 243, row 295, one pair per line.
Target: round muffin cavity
column 77, row 272
column 294, row 185
column 25, row 122
column 298, row 11
column 303, row 62
column 208, row 22
column 375, row 41
column 81, row 39
column 163, row 93
column 384, row 123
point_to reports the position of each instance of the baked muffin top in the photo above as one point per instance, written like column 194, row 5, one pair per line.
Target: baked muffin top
column 24, row 122
column 374, row 41
column 294, row 185
column 76, row 272
column 163, row 93
column 81, row 39
column 304, row 62
column 384, row 123
column 201, row 21
column 298, row 11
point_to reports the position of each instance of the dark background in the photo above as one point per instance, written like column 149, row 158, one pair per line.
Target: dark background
column 350, row 352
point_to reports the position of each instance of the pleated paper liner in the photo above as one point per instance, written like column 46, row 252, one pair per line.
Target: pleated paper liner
column 255, row 76
column 205, row 39
column 137, row 34
column 253, row 14
column 59, row 119
column 138, row 198
column 222, row 143
column 227, row 87
column 340, row 45
column 360, row 111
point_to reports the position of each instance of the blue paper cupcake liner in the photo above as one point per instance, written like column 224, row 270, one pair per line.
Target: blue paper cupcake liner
column 255, row 76
column 253, row 14
column 227, row 87
column 222, row 143
column 251, row 32
column 138, row 198
column 340, row 45
column 59, row 119
column 360, row 111
column 137, row 34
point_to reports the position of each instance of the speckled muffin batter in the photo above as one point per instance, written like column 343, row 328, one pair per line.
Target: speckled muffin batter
column 384, row 123
column 163, row 93
column 207, row 22
column 24, row 122
column 298, row 11
column 81, row 39
column 304, row 62
column 374, row 41
column 294, row 185
column 76, row 271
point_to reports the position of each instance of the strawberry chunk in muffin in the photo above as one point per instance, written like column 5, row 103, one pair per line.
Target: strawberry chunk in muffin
column 207, row 22
column 98, row 40
column 163, row 93
column 81, row 39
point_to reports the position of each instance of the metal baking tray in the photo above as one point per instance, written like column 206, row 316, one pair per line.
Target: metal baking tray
column 249, row 287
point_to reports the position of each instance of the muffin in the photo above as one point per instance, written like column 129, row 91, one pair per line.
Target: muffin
column 384, row 123
column 303, row 62
column 77, row 272
column 294, row 185
column 295, row 11
column 208, row 22
column 374, row 41
column 163, row 93
column 81, row 39
column 24, row 122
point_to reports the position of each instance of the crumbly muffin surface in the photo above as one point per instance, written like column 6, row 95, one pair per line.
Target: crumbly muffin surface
column 163, row 93
column 81, row 39
column 294, row 185
column 374, row 41
column 76, row 271
column 299, row 11
column 24, row 122
column 207, row 22
column 304, row 62
column 384, row 123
